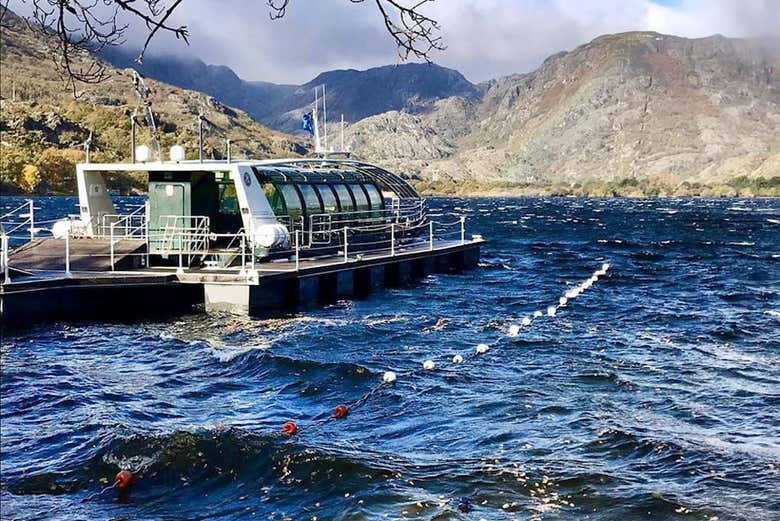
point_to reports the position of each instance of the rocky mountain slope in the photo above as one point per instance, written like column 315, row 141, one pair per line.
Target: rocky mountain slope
column 409, row 87
column 629, row 109
column 42, row 126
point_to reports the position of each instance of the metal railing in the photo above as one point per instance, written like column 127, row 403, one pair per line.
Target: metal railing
column 15, row 220
column 123, row 226
column 189, row 238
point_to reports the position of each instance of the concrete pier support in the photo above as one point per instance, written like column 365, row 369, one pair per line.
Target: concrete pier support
column 398, row 274
column 226, row 298
column 308, row 291
column 345, row 284
column 423, row 267
column 470, row 259
column 274, row 295
column 369, row 279
column 326, row 291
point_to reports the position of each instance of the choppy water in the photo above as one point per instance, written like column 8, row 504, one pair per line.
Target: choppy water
column 654, row 395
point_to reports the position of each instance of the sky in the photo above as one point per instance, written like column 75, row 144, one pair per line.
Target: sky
column 485, row 39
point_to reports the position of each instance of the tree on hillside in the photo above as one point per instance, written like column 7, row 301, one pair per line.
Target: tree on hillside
column 83, row 26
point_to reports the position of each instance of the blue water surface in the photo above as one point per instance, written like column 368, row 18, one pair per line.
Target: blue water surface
column 653, row 395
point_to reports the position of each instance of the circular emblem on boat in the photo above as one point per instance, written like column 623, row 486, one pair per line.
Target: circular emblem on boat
column 247, row 179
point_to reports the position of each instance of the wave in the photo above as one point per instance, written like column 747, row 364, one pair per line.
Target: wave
column 204, row 459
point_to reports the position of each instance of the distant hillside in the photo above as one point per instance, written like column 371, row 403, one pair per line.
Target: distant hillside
column 42, row 126
column 630, row 113
column 409, row 87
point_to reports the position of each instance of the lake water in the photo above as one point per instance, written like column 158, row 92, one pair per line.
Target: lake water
column 653, row 395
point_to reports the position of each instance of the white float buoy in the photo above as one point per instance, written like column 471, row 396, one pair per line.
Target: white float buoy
column 428, row 364
column 538, row 314
column 551, row 311
column 482, row 348
column 562, row 301
column 526, row 321
column 457, row 359
column 514, row 330
column 605, row 266
column 388, row 377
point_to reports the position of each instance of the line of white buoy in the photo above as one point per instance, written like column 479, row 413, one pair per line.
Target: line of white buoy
column 514, row 330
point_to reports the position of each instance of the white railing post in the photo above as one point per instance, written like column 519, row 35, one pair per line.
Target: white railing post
column 430, row 236
column 4, row 258
column 181, row 253
column 111, row 243
column 32, row 219
column 346, row 245
column 67, row 254
column 392, row 239
column 463, row 230
column 297, row 252
column 251, row 243
column 146, row 231
column 243, row 254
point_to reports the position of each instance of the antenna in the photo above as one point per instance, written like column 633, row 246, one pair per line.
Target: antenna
column 200, row 136
column 144, row 95
column 132, row 135
column 88, row 146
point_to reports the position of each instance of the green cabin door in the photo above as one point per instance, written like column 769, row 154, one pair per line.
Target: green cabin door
column 167, row 199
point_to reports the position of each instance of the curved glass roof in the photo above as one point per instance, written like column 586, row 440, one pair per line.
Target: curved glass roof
column 308, row 175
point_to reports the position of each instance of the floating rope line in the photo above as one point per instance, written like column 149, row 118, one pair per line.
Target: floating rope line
column 513, row 331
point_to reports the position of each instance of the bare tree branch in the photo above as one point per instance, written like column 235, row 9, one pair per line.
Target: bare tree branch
column 415, row 33
column 83, row 27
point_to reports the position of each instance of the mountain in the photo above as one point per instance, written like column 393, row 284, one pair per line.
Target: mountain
column 409, row 87
column 42, row 126
column 631, row 113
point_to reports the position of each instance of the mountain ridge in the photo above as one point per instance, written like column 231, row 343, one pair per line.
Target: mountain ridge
column 410, row 87
column 639, row 108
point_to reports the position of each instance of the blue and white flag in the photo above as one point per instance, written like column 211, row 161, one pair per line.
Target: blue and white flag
column 307, row 123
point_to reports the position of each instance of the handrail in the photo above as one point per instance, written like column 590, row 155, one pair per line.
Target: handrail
column 357, row 233
column 29, row 218
column 133, row 222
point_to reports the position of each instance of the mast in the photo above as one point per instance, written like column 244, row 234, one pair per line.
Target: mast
column 144, row 95
column 317, row 146
column 325, row 116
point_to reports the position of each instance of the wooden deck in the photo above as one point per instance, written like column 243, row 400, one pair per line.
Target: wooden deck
column 48, row 255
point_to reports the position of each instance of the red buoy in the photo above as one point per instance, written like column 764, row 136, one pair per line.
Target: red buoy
column 341, row 412
column 123, row 480
column 289, row 429
column 219, row 427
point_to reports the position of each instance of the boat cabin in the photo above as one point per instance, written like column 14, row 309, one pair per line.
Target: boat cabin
column 196, row 206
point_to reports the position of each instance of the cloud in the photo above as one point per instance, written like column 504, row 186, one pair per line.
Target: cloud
column 485, row 38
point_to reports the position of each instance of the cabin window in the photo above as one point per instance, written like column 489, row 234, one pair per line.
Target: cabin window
column 313, row 205
column 292, row 200
column 374, row 196
column 275, row 199
column 360, row 198
column 228, row 199
column 329, row 202
column 344, row 198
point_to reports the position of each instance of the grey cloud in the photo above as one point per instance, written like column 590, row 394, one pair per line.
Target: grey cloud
column 485, row 38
